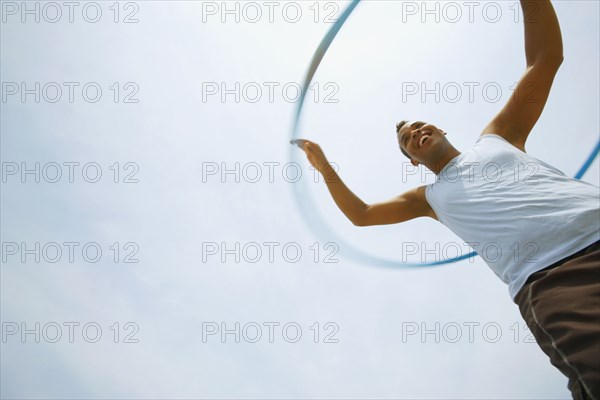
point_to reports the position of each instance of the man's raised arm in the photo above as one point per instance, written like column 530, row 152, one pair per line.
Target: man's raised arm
column 544, row 55
column 404, row 207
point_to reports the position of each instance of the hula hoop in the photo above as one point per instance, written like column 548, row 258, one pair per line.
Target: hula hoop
column 307, row 207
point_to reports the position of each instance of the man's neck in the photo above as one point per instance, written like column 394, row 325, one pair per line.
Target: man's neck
column 439, row 166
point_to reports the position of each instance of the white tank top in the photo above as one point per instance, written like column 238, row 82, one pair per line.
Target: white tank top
column 518, row 213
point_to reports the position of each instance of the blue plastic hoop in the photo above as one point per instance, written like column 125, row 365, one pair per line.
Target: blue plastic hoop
column 307, row 207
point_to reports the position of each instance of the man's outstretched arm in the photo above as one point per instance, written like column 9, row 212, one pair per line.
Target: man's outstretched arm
column 404, row 207
column 544, row 55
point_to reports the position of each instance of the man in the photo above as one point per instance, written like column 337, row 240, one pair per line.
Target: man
column 536, row 228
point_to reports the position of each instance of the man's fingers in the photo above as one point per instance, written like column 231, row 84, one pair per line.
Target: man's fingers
column 299, row 142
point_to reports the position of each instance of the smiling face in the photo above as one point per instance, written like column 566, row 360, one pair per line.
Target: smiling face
column 423, row 142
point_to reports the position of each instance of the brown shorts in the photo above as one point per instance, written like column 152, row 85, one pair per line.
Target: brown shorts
column 561, row 306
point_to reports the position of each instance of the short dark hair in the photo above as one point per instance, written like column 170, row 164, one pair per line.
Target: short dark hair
column 399, row 125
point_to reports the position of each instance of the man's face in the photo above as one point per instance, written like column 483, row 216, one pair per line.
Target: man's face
column 421, row 140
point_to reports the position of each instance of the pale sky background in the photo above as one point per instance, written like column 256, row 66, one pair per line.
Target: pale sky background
column 170, row 132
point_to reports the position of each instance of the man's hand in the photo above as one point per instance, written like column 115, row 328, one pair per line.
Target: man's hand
column 315, row 156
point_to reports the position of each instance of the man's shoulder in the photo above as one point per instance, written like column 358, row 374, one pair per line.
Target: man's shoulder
column 485, row 136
